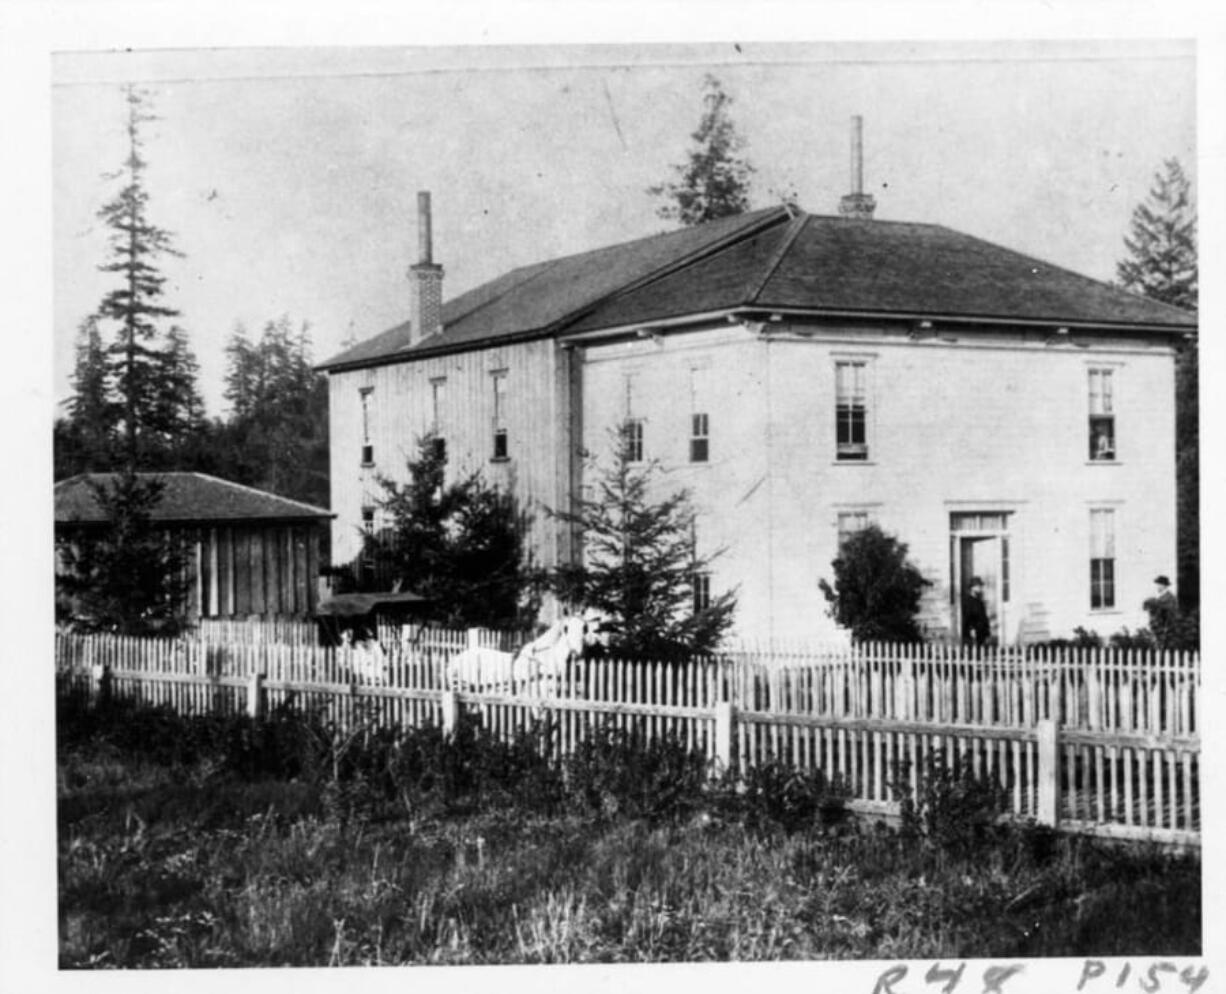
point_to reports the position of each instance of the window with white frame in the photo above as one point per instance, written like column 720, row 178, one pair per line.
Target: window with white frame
column 851, row 410
column 700, row 437
column 1102, row 415
column 1102, row 558
column 438, row 392
column 499, row 380
column 851, row 522
column 368, row 450
column 634, row 439
column 702, row 591
column 700, row 419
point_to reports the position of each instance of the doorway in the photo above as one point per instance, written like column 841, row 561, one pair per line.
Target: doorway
column 979, row 548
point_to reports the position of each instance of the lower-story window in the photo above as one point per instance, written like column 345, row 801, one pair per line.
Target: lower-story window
column 702, row 591
column 1102, row 558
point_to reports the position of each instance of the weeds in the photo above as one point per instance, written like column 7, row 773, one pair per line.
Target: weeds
column 415, row 847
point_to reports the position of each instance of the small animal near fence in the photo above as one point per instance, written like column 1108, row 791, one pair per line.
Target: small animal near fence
column 1098, row 741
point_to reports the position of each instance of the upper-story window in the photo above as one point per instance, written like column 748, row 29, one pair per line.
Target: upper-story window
column 1102, row 558
column 700, row 418
column 438, row 392
column 851, row 410
column 368, row 450
column 700, row 437
column 634, row 439
column 1102, row 415
column 499, row 380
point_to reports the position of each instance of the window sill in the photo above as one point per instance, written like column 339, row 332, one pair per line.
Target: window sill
column 853, row 462
column 1103, row 462
column 500, row 458
column 367, row 465
column 1100, row 612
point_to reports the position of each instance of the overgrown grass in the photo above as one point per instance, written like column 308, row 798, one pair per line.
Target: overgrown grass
column 416, row 849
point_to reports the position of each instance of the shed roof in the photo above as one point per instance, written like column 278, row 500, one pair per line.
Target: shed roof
column 772, row 259
column 186, row 497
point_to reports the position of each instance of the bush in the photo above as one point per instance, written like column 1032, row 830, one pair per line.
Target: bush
column 876, row 592
column 617, row 771
column 775, row 794
column 956, row 810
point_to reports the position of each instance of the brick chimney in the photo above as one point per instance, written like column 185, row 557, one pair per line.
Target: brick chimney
column 425, row 280
column 857, row 205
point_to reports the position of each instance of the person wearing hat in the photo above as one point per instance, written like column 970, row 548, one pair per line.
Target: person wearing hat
column 976, row 627
column 1163, row 609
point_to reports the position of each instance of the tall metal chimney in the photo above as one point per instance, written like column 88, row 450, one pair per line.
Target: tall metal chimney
column 425, row 279
column 857, row 205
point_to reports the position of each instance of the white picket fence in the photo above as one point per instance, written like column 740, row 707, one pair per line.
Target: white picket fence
column 1093, row 740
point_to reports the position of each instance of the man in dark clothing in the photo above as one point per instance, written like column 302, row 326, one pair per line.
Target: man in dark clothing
column 976, row 627
column 1163, row 611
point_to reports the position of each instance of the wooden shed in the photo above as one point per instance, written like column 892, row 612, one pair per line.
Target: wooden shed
column 249, row 552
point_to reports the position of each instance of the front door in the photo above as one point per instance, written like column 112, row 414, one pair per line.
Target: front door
column 979, row 548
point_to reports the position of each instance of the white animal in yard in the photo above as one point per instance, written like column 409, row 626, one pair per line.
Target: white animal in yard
column 539, row 665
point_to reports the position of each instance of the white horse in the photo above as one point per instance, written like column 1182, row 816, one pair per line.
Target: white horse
column 541, row 664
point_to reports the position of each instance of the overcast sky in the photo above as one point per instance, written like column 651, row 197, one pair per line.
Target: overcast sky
column 289, row 176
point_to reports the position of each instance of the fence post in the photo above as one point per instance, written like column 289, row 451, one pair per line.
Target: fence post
column 255, row 695
column 474, row 641
column 1048, row 812
column 451, row 710
column 724, row 718
column 100, row 684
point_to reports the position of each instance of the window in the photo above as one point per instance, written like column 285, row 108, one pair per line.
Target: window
column 368, row 450
column 500, row 413
column 1102, row 416
column 851, row 522
column 700, row 436
column 368, row 519
column 702, row 591
column 1102, row 559
column 850, row 411
column 634, row 440
column 438, row 391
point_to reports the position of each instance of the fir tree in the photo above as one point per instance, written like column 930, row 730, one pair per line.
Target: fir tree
column 462, row 545
column 1162, row 264
column 135, row 245
column 276, row 437
column 640, row 564
column 84, row 438
column 714, row 181
column 124, row 575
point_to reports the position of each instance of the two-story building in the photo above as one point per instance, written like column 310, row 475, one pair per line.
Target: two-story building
column 804, row 375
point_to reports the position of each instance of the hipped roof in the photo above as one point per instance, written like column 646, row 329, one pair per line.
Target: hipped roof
column 194, row 497
column 777, row 259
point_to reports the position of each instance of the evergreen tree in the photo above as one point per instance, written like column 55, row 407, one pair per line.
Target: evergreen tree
column 462, row 545
column 714, row 181
column 276, row 437
column 1162, row 264
column 640, row 564
column 84, row 438
column 124, row 575
column 877, row 590
column 135, row 245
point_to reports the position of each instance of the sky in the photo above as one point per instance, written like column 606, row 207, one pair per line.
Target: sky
column 288, row 176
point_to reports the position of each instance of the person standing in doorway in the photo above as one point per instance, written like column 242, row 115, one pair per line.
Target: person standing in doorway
column 976, row 628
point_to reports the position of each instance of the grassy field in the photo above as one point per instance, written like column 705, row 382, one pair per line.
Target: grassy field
column 223, row 846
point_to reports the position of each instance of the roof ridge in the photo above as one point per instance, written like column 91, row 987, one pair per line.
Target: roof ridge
column 676, row 265
column 756, row 286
